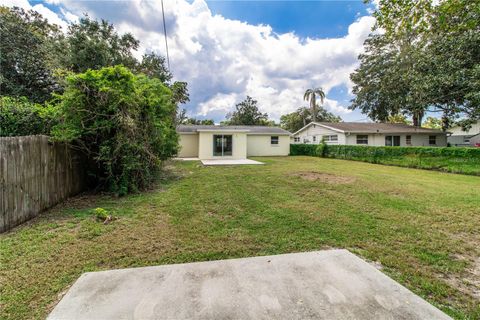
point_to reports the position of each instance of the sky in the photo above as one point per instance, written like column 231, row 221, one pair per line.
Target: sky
column 226, row 50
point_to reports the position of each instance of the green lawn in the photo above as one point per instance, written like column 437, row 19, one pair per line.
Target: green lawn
column 421, row 227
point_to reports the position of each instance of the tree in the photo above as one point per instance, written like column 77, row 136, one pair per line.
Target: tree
column 21, row 117
column 398, row 118
column 96, row 44
column 247, row 113
column 199, row 122
column 433, row 123
column 302, row 116
column 180, row 116
column 124, row 123
column 29, row 48
column 179, row 92
column 385, row 83
column 426, row 60
column 310, row 95
column 153, row 66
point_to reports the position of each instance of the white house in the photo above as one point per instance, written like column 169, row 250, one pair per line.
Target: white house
column 371, row 134
column 469, row 138
column 232, row 142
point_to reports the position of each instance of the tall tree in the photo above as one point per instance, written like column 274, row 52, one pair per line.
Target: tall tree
column 153, row 66
column 29, row 51
column 311, row 95
column 426, row 59
column 398, row 118
column 95, row 44
column 302, row 116
column 433, row 123
column 199, row 121
column 385, row 83
column 247, row 113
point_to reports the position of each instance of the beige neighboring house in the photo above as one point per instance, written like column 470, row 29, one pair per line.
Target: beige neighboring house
column 232, row 142
column 371, row 134
column 469, row 138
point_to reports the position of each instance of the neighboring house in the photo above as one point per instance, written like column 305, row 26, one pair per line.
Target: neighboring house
column 232, row 142
column 371, row 134
column 469, row 138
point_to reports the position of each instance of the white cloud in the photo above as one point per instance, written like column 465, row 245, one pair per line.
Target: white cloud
column 48, row 14
column 224, row 60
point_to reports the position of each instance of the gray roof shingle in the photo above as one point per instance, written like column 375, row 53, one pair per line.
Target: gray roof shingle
column 250, row 129
column 364, row 127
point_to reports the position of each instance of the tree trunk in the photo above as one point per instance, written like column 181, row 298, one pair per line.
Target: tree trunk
column 417, row 118
column 312, row 106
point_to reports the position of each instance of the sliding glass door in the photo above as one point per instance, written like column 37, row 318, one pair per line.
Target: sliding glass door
column 222, row 145
column 392, row 141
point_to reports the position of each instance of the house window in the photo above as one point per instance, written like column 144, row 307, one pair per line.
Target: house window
column 392, row 141
column 274, row 140
column 409, row 140
column 296, row 139
column 332, row 138
column 432, row 140
column 362, row 139
column 466, row 139
column 314, row 138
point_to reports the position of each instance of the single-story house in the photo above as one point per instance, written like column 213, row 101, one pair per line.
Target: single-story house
column 371, row 134
column 232, row 142
column 469, row 138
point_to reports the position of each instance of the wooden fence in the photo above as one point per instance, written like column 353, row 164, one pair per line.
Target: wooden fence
column 35, row 174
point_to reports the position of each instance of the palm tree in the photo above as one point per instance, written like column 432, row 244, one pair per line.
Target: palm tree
column 311, row 95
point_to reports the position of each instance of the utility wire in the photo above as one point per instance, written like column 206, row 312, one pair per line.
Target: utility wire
column 165, row 33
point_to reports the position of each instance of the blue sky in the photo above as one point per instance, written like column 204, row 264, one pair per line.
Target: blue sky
column 226, row 50
column 314, row 19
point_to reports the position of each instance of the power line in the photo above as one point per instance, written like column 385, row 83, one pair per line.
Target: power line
column 165, row 33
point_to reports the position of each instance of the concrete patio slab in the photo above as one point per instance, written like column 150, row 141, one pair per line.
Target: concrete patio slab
column 331, row 284
column 187, row 159
column 229, row 162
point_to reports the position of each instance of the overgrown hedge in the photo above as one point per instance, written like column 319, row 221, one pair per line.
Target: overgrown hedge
column 20, row 117
column 123, row 122
column 459, row 160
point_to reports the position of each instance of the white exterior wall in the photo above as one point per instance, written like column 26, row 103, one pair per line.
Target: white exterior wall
column 457, row 131
column 188, row 145
column 318, row 132
column 418, row 140
column 462, row 138
column 259, row 145
column 205, row 145
column 377, row 139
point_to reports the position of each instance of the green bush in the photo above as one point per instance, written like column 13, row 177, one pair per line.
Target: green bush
column 303, row 150
column 20, row 117
column 100, row 214
column 460, row 160
column 124, row 123
column 348, row 152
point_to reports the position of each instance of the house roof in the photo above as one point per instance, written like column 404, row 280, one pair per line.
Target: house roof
column 248, row 129
column 365, row 127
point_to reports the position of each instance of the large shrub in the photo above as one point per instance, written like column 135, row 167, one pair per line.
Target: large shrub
column 459, row 160
column 123, row 122
column 20, row 117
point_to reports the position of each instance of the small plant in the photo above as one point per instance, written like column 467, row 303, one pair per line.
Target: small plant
column 102, row 215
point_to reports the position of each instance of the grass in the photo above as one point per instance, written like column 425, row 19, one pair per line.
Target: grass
column 459, row 165
column 422, row 227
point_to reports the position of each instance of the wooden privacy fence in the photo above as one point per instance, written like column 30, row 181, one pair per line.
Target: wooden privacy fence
column 35, row 174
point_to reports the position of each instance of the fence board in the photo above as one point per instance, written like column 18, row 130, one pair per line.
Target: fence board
column 35, row 174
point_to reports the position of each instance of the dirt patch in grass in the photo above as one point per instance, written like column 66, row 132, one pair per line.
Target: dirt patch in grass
column 469, row 282
column 324, row 177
